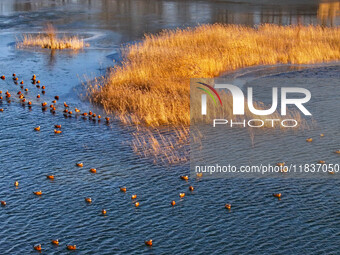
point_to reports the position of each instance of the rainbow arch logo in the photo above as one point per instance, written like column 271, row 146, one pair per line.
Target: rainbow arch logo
column 209, row 93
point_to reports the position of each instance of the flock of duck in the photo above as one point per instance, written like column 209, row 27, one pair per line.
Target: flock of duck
column 92, row 116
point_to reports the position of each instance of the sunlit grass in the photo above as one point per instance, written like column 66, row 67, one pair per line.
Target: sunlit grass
column 151, row 86
column 49, row 40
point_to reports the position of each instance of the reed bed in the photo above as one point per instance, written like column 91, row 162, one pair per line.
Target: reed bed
column 49, row 40
column 151, row 85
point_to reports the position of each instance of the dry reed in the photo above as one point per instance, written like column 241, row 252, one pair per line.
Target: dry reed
column 49, row 40
column 151, row 86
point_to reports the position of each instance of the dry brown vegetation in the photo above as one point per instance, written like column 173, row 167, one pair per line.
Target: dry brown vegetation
column 151, row 86
column 49, row 39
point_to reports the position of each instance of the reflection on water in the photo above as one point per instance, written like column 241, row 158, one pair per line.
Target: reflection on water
column 135, row 17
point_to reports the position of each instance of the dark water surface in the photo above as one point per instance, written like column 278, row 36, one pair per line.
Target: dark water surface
column 305, row 221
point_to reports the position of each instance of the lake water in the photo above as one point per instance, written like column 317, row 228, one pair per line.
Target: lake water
column 305, row 221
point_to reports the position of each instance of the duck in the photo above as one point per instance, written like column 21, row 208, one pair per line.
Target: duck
column 309, row 140
column 88, row 200
column 14, row 75
column 76, row 110
column 26, row 89
column 191, row 188
column 103, row 211
column 37, row 128
column 38, row 81
column 16, row 184
column 173, row 203
column 3, row 77
column 66, row 105
column 85, row 114
column 93, row 170
column 37, row 247
column 280, row 163
column 54, row 102
column 122, row 189
column 90, row 113
column 184, row 177
column 23, row 100
column 337, row 152
column 29, row 103
column 137, row 204
column 34, row 77
column 321, row 162
column 148, row 242
column 3, row 203
column 99, row 117
column 331, row 172
column 43, row 104
column 133, row 196
column 55, row 242
column 181, row 195
column 79, row 164
column 38, row 86
column 199, row 175
column 0, row 97
column 107, row 119
column 38, row 96
column 57, row 126
column 22, row 87
column 38, row 193
column 71, row 247
column 227, row 206
column 43, row 87
column 50, row 177
column 1, row 109
column 22, row 82
column 56, row 97
column 15, row 78
column 57, row 131
column 70, row 112
column 278, row 195
column 19, row 92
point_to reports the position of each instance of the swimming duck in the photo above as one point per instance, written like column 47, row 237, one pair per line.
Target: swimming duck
column 16, row 184
column 137, row 204
column 309, row 140
column 37, row 247
column 148, row 242
column 43, row 87
column 26, row 89
column 79, row 164
column 54, row 102
column 38, row 193
column 14, row 75
column 0, row 97
column 38, row 81
column 3, row 77
column 19, row 92
column 99, row 117
column 227, row 206
column 57, row 126
column 331, row 172
column 55, row 242
column 90, row 113
column 93, row 170
column 184, row 177
column 22, row 87
column 43, row 104
column 191, row 188
column 50, row 177
column 71, row 247
column 37, row 128
column 107, row 119
column 23, row 100
column 85, row 114
column 34, row 77
column 337, row 152
column 173, row 202
column 70, row 112
column 88, row 200
column 181, row 195
column 38, row 96
column 122, row 189
column 133, row 196
column 65, row 111
column 15, row 78
column 38, row 86
column 1, row 109
column 29, row 103
column 199, row 174
column 322, row 162
column 22, row 82
column 56, row 97
column 278, row 195
column 3, row 203
column 103, row 211
column 43, row 92
column 76, row 110
column 57, row 131
column 66, row 105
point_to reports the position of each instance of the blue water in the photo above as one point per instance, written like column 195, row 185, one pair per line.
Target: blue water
column 305, row 221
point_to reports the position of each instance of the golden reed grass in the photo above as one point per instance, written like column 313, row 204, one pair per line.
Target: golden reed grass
column 49, row 40
column 151, row 86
